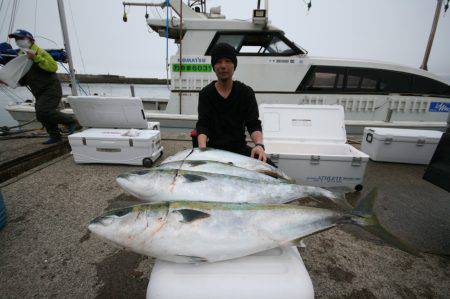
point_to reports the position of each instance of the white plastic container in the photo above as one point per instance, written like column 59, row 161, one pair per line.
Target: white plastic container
column 118, row 132
column 276, row 273
column 115, row 147
column 400, row 145
column 308, row 142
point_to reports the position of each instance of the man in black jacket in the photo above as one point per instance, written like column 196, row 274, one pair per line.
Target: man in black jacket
column 227, row 107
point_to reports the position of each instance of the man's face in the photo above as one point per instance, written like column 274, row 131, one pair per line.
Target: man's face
column 224, row 69
column 23, row 42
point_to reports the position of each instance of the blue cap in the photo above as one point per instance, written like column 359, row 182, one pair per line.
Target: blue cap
column 20, row 33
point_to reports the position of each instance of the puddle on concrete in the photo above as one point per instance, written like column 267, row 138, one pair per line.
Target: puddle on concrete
column 119, row 278
column 363, row 293
column 85, row 237
column 340, row 275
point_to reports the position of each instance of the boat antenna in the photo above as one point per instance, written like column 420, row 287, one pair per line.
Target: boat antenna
column 437, row 12
column 167, row 40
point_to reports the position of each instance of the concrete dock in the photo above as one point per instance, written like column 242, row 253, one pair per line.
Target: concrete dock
column 46, row 250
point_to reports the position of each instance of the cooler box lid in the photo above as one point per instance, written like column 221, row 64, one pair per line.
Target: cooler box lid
column 114, row 134
column 109, row 112
column 404, row 135
column 303, row 123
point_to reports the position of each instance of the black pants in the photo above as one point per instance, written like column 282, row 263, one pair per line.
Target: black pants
column 438, row 170
column 47, row 110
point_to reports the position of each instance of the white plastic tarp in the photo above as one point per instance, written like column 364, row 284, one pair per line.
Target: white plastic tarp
column 14, row 70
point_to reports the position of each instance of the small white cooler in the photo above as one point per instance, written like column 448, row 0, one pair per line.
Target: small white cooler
column 118, row 132
column 400, row 145
column 276, row 273
column 308, row 142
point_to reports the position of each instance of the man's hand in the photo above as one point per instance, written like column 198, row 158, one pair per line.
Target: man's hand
column 259, row 151
column 31, row 54
column 202, row 138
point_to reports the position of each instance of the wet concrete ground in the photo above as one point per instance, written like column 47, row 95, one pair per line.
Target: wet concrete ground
column 12, row 149
column 46, row 251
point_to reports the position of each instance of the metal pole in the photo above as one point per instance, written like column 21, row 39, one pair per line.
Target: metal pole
column 424, row 65
column 181, row 50
column 62, row 18
column 132, row 90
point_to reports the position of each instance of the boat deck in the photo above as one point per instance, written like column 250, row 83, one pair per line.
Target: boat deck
column 46, row 249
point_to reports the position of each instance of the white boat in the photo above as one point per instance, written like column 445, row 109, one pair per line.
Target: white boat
column 280, row 71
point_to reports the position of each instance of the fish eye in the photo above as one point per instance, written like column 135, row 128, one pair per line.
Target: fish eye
column 120, row 213
column 141, row 172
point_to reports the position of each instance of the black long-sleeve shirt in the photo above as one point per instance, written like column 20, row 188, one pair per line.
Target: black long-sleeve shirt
column 224, row 120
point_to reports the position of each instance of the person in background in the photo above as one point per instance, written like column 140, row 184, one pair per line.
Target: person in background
column 45, row 86
column 227, row 107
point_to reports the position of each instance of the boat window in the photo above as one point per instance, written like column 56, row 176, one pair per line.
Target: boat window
column 257, row 43
column 340, row 79
column 394, row 82
column 234, row 40
column 423, row 85
column 325, row 78
column 279, row 46
column 353, row 81
column 359, row 79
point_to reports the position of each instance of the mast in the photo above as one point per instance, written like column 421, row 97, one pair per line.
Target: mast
column 424, row 65
column 62, row 18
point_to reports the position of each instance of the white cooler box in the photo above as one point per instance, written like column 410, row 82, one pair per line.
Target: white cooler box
column 118, row 132
column 276, row 273
column 308, row 142
column 400, row 145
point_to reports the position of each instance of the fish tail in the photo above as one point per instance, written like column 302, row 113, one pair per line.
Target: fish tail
column 336, row 195
column 339, row 198
column 363, row 215
column 276, row 175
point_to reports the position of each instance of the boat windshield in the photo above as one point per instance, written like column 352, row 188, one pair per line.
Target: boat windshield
column 257, row 43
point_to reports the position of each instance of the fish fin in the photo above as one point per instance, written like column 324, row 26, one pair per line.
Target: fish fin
column 276, row 175
column 340, row 197
column 193, row 259
column 298, row 242
column 364, row 216
column 191, row 215
column 194, row 178
column 271, row 174
column 195, row 163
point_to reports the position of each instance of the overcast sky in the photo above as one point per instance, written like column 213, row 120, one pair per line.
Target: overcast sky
column 386, row 30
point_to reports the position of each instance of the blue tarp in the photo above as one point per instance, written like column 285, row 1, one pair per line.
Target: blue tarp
column 7, row 53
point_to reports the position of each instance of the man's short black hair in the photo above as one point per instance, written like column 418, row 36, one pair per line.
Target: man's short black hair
column 223, row 50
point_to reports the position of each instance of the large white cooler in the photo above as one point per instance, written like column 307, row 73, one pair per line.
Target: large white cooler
column 400, row 145
column 276, row 273
column 118, row 132
column 308, row 142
